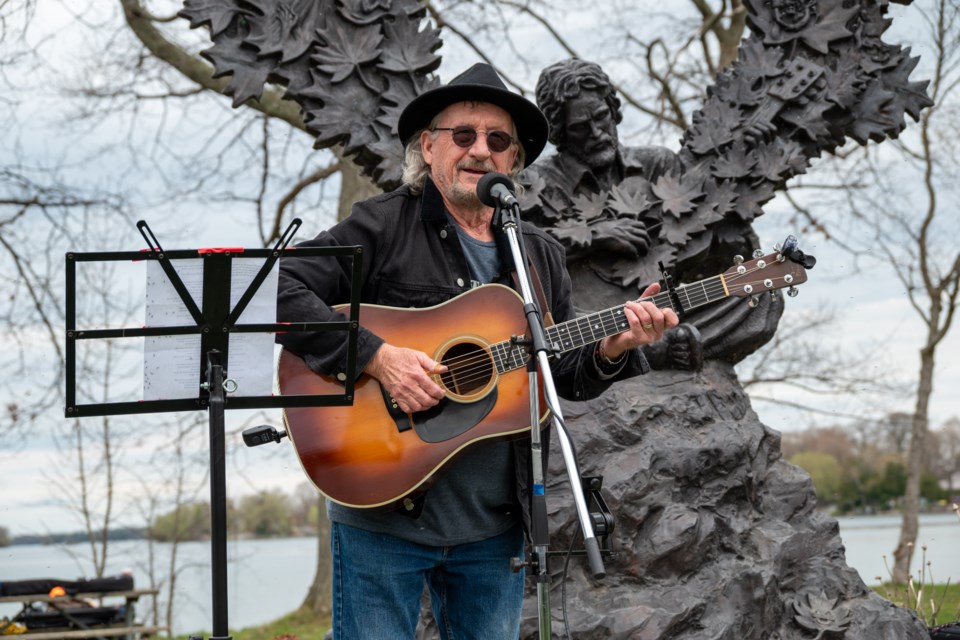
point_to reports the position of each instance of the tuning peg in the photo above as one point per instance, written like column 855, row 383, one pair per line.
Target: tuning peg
column 738, row 259
column 777, row 247
column 758, row 253
column 753, row 301
column 774, row 295
column 792, row 292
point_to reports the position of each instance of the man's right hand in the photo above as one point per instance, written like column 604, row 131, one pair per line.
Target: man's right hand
column 404, row 373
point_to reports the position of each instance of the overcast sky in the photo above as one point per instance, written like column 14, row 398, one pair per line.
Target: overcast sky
column 872, row 312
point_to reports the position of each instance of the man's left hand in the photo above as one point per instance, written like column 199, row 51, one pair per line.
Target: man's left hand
column 647, row 324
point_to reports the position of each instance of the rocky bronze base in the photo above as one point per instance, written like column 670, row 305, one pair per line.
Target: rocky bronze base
column 717, row 537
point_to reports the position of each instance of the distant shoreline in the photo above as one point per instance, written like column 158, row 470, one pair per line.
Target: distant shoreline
column 123, row 535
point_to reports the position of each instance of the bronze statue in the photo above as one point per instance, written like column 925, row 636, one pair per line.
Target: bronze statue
column 717, row 536
column 597, row 197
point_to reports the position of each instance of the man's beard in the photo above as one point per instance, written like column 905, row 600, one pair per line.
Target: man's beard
column 465, row 196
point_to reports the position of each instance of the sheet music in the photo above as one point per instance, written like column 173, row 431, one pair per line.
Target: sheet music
column 173, row 364
column 251, row 354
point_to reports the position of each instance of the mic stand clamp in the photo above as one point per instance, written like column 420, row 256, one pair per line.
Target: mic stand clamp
column 507, row 218
column 603, row 526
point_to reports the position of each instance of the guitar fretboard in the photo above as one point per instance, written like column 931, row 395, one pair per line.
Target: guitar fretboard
column 594, row 327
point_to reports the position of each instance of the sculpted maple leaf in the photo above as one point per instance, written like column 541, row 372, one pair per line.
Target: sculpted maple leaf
column 777, row 160
column 401, row 89
column 809, row 119
column 713, row 127
column 831, row 26
column 875, row 115
column 248, row 72
column 388, row 149
column 288, row 28
column 678, row 195
column 720, row 196
column 572, row 233
column 629, row 199
column 346, row 52
column 751, row 198
column 741, row 89
column 217, row 13
column 554, row 207
column 630, row 273
column 347, row 113
column 736, row 162
column 539, row 201
column 589, row 206
column 296, row 77
column 763, row 61
column 844, row 81
column 533, row 185
column 909, row 96
column 877, row 53
column 413, row 49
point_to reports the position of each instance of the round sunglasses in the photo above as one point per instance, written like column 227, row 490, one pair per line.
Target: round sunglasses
column 464, row 137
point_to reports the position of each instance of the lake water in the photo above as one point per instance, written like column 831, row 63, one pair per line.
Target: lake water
column 269, row 578
column 266, row 578
column 868, row 538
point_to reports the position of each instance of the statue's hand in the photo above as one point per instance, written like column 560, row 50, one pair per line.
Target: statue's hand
column 759, row 132
column 681, row 349
column 623, row 236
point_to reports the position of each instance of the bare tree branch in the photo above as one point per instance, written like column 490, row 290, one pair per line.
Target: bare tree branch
column 141, row 23
column 320, row 174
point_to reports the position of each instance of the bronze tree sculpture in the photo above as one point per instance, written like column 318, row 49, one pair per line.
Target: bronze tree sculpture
column 717, row 537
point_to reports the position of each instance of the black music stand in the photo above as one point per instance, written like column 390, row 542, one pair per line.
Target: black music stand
column 214, row 322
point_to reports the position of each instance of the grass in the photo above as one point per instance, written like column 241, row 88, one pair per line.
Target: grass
column 301, row 624
column 935, row 604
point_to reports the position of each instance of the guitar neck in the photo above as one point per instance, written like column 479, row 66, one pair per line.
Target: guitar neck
column 594, row 327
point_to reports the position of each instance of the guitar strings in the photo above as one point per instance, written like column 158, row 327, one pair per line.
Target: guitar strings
column 471, row 368
column 500, row 351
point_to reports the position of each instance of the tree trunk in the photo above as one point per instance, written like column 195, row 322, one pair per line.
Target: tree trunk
column 354, row 186
column 903, row 554
column 320, row 593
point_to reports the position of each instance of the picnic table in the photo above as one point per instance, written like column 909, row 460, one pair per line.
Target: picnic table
column 80, row 622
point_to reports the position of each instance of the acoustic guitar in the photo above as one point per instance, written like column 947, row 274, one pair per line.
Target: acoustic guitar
column 372, row 454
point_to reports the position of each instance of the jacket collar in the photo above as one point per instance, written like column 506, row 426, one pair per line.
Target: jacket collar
column 432, row 208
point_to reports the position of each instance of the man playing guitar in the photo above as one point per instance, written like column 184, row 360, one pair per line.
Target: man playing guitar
column 423, row 245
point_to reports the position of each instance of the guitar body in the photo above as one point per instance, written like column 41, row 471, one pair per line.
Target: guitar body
column 373, row 455
column 368, row 454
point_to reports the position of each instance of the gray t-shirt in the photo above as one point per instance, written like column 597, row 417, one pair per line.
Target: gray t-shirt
column 472, row 497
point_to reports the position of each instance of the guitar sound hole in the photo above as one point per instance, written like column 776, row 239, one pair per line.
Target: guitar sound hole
column 470, row 369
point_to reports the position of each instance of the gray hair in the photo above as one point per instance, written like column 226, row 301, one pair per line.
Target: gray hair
column 416, row 170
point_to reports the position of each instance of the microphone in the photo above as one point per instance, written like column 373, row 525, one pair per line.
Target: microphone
column 495, row 189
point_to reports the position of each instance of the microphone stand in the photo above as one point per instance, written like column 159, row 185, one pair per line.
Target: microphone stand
column 507, row 218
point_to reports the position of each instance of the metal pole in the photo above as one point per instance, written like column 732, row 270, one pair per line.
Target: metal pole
column 218, row 497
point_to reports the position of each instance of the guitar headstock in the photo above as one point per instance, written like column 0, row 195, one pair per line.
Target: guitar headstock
column 786, row 267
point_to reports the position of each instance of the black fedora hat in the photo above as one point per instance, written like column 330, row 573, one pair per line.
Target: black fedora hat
column 479, row 83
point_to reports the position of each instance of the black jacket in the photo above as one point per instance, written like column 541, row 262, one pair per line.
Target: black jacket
column 412, row 258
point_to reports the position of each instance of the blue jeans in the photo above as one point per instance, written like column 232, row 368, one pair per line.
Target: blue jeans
column 378, row 580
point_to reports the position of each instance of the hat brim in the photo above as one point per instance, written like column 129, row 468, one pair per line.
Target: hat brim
column 529, row 121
